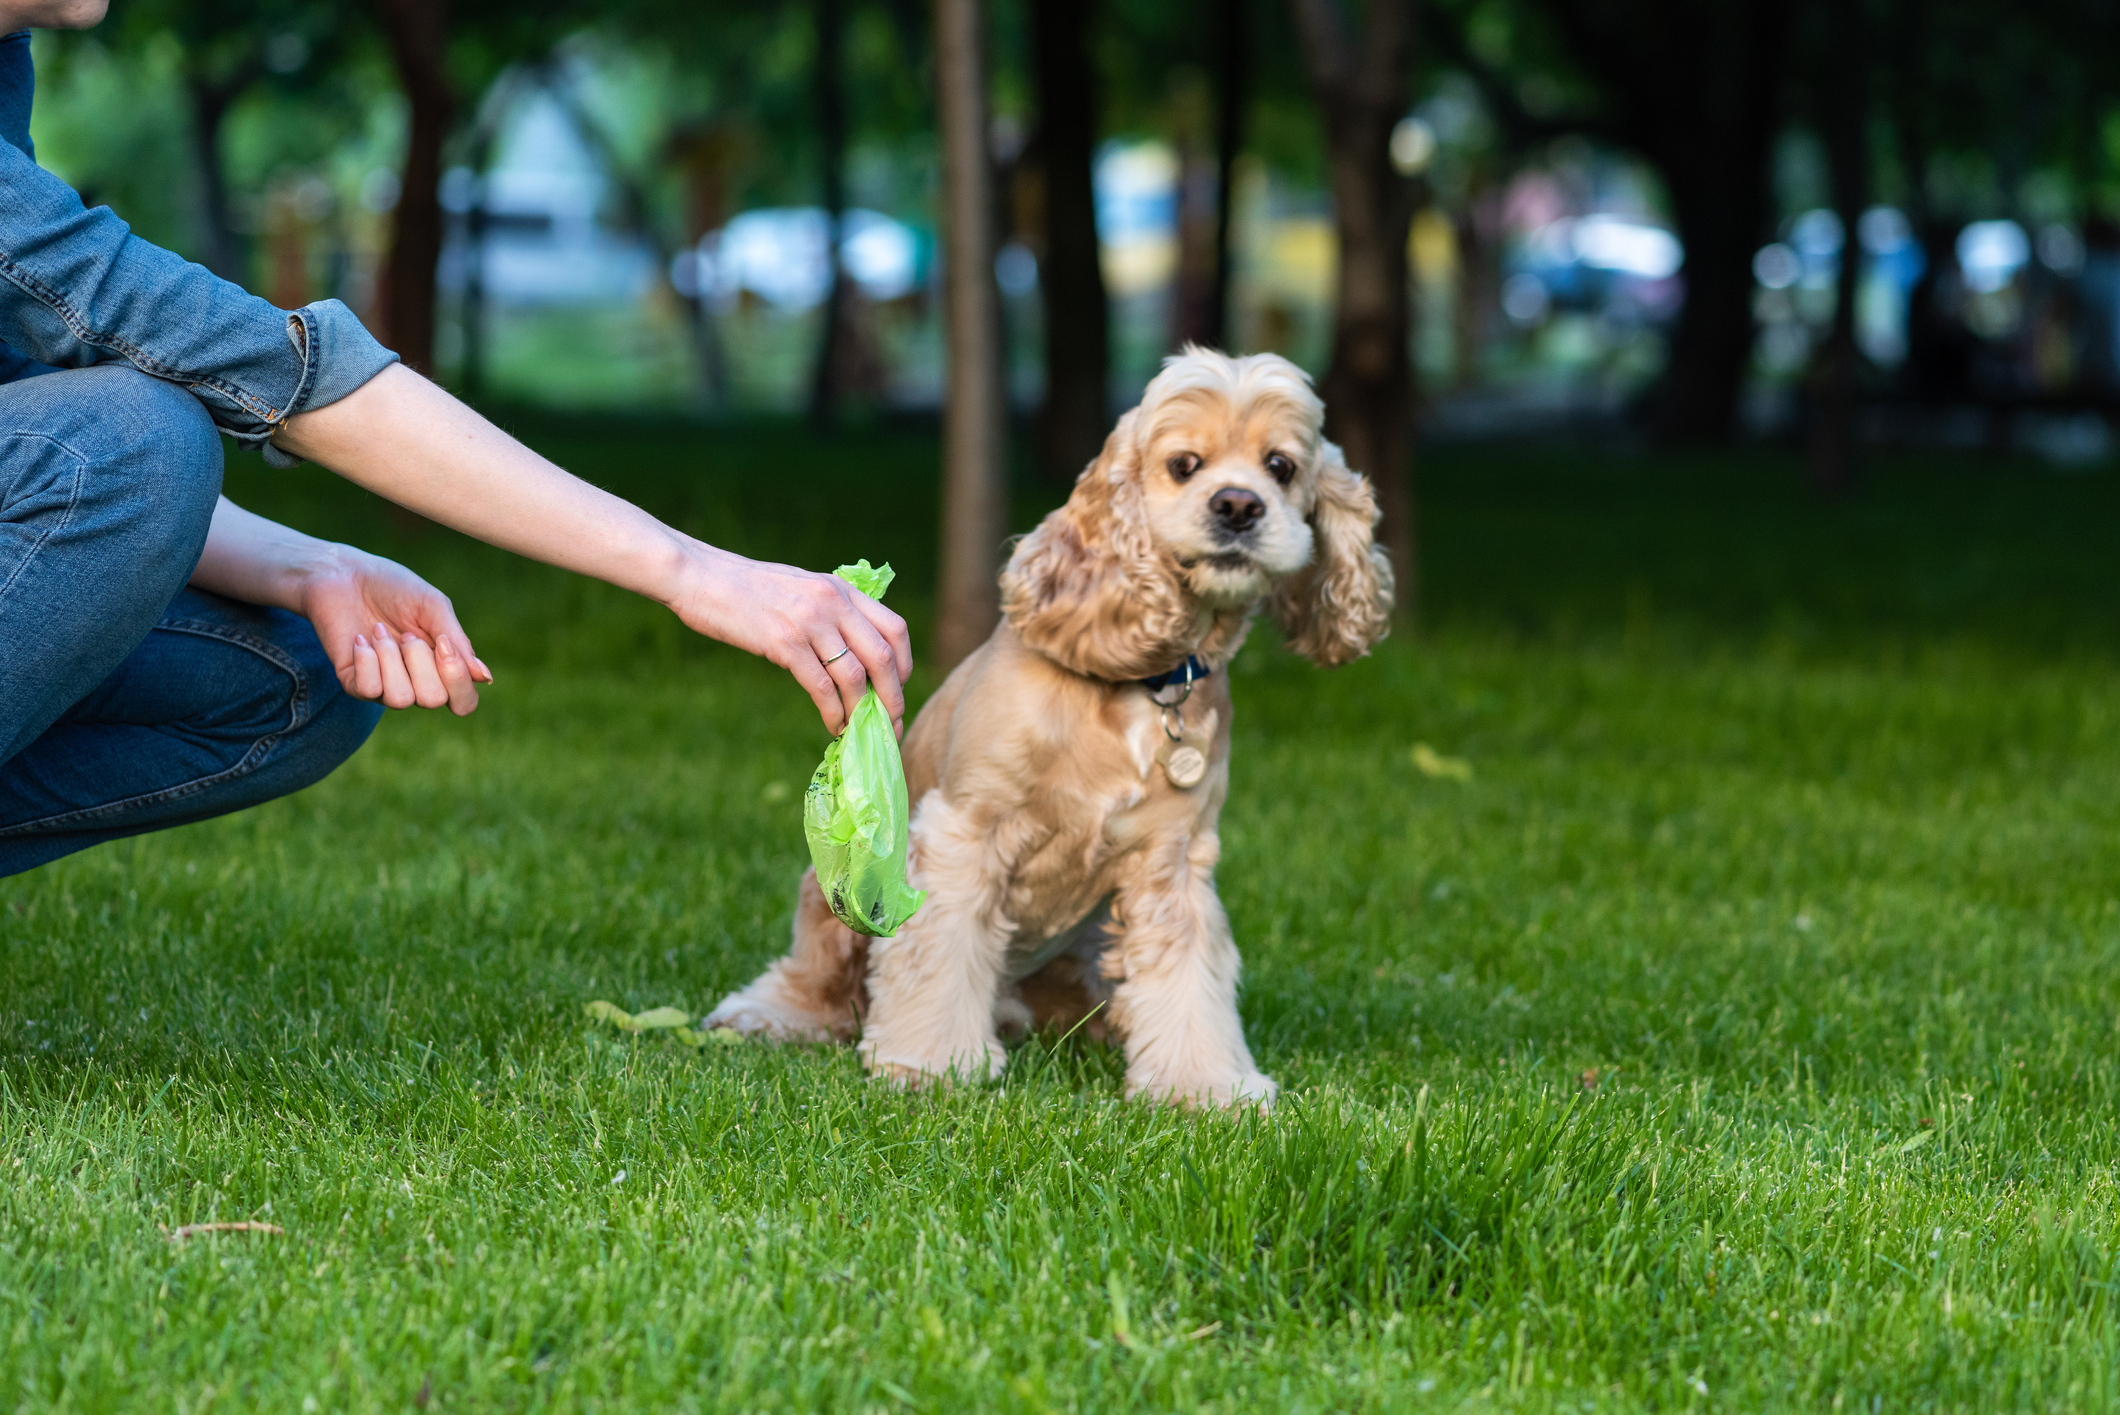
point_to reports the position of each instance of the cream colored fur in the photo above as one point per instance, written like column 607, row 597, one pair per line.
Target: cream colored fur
column 1063, row 867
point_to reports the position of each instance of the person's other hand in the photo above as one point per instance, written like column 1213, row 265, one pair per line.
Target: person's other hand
column 831, row 636
column 390, row 634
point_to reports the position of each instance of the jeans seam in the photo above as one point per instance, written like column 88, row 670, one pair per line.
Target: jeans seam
column 139, row 358
column 252, row 759
column 297, row 718
column 73, row 500
column 298, row 715
column 305, row 321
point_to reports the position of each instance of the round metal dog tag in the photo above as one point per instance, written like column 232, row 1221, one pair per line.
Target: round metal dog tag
column 1185, row 767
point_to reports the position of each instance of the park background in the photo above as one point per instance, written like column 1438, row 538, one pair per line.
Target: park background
column 1738, row 1032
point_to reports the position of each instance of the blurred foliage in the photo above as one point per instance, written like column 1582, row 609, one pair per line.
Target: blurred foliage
column 1157, row 62
column 206, row 124
column 1979, row 96
column 113, row 121
column 1978, row 100
column 739, row 84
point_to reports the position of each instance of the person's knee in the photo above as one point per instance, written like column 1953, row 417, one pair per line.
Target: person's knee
column 170, row 453
column 339, row 730
column 148, row 462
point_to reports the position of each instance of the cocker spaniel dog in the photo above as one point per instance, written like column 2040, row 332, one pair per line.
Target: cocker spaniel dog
column 1068, row 778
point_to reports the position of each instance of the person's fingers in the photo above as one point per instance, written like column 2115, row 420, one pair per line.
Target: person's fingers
column 450, row 631
column 817, row 681
column 366, row 675
column 397, row 684
column 847, row 672
column 456, row 676
column 893, row 630
column 428, row 690
column 879, row 662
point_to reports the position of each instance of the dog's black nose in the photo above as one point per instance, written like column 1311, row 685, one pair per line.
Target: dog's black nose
column 1237, row 508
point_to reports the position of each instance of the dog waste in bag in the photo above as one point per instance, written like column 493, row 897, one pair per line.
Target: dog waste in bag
column 855, row 810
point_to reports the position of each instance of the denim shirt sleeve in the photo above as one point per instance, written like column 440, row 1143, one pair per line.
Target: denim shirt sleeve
column 78, row 288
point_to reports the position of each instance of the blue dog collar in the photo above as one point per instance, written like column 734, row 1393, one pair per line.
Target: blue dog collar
column 1182, row 677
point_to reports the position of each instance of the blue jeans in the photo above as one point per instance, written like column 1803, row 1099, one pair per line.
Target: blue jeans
column 127, row 702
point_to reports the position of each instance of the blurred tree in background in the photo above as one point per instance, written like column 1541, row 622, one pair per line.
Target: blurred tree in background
column 1360, row 75
column 1406, row 195
column 227, row 50
column 1077, row 315
column 974, row 453
column 1695, row 89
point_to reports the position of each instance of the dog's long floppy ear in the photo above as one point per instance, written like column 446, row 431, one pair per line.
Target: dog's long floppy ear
column 1339, row 606
column 1088, row 588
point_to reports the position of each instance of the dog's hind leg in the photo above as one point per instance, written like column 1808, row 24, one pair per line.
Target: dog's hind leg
column 1071, row 991
column 1176, row 1002
column 813, row 994
column 933, row 988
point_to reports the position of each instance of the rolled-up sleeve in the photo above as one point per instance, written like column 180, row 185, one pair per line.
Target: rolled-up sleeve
column 78, row 288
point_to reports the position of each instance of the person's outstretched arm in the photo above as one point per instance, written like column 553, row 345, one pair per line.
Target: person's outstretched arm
column 405, row 439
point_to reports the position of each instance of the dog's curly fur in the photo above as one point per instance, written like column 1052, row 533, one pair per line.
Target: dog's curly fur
column 1063, row 867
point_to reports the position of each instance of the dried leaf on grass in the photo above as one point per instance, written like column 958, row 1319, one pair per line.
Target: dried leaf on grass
column 660, row 1017
column 1429, row 762
column 193, row 1230
column 674, row 1020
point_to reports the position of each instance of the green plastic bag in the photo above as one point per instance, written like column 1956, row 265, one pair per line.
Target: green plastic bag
column 855, row 810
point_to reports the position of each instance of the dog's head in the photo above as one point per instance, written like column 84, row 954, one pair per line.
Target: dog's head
column 1215, row 494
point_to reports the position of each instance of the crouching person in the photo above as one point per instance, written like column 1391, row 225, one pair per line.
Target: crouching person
column 129, row 698
column 166, row 656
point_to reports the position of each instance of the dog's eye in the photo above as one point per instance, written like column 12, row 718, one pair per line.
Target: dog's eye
column 1183, row 466
column 1283, row 469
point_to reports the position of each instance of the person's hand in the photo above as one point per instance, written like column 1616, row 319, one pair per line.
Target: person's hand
column 832, row 637
column 390, row 634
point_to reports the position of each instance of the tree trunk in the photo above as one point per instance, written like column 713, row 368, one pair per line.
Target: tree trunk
column 220, row 251
column 829, row 86
column 1077, row 314
column 1232, row 98
column 1938, row 366
column 1479, row 288
column 1846, row 115
column 418, row 32
column 473, row 313
column 1719, row 221
column 974, row 451
column 1193, row 290
column 1695, row 88
column 1361, row 89
column 1718, row 165
column 704, row 157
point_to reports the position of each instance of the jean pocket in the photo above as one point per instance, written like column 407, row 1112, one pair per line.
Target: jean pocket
column 40, row 492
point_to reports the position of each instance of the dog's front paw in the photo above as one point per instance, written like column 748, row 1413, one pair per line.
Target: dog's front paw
column 914, row 1072
column 772, row 1019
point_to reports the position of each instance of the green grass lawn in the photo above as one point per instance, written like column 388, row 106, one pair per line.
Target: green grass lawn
column 1742, row 1036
